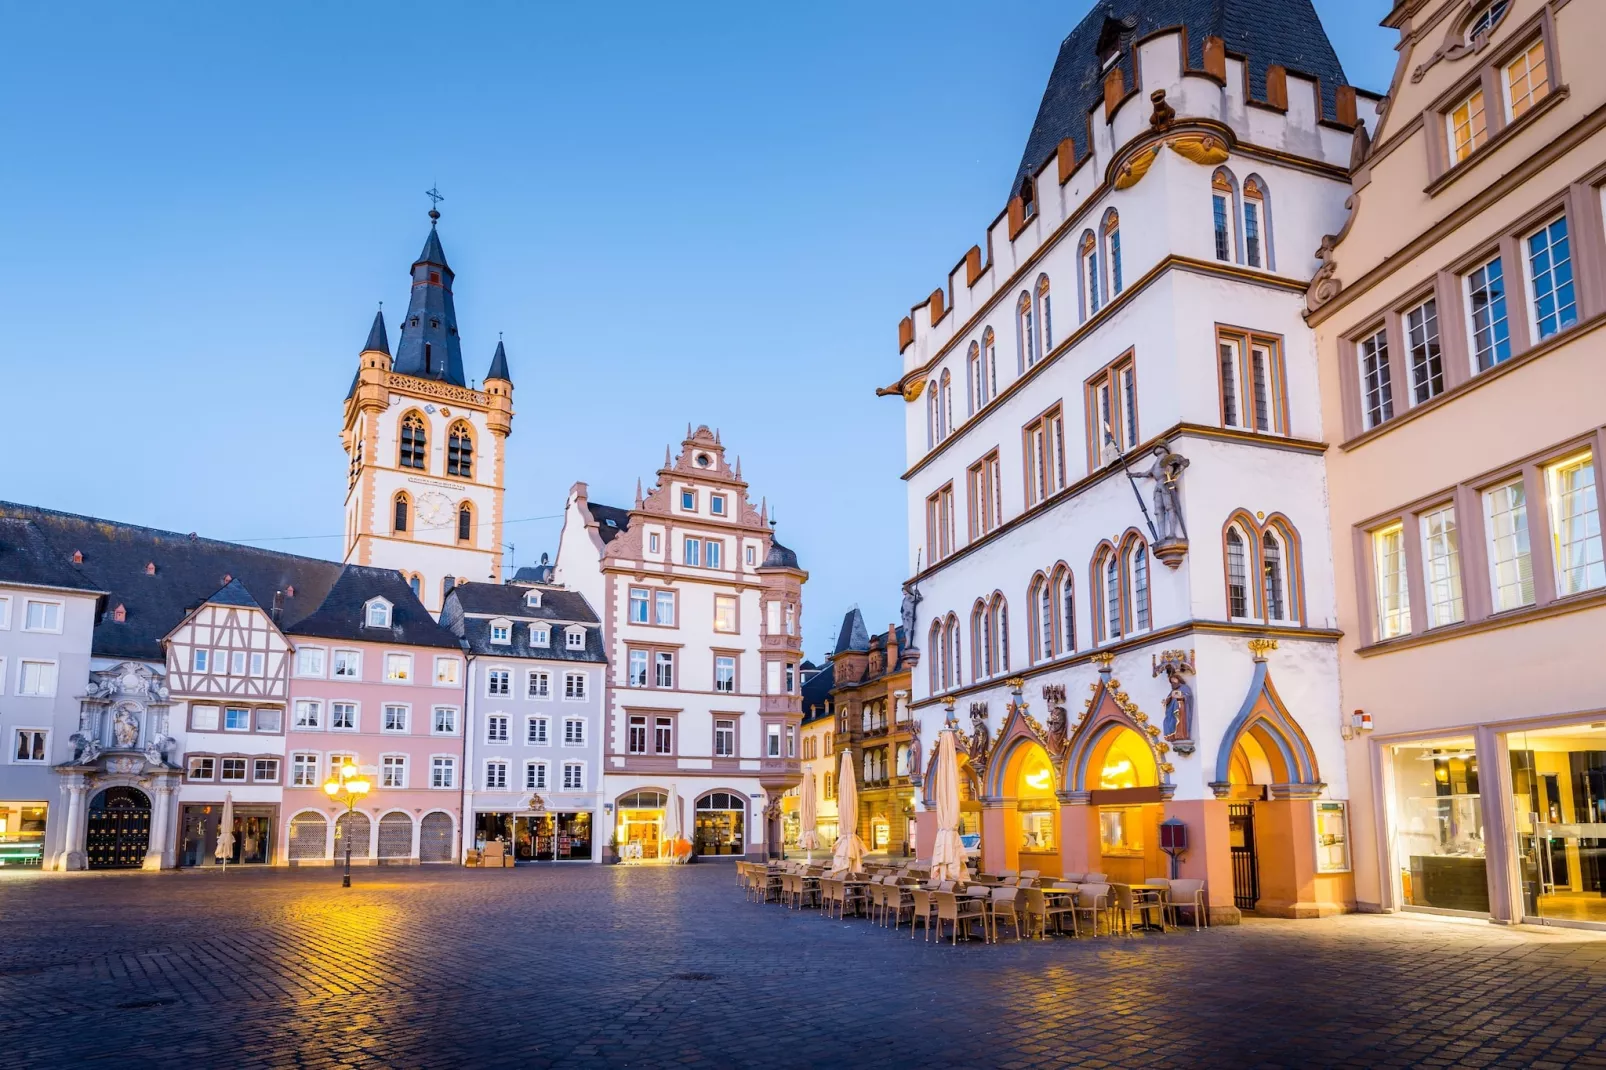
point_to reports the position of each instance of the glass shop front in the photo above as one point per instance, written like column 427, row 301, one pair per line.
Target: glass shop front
column 22, row 833
column 561, row 836
column 1558, row 801
column 1440, row 857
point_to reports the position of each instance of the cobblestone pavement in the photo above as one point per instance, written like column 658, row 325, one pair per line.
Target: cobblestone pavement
column 581, row 966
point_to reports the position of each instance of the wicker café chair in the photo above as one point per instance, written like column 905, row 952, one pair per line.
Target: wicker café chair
column 924, row 907
column 952, row 909
column 855, row 898
column 1093, row 900
column 1041, row 912
column 1188, row 895
column 1006, row 903
column 830, row 895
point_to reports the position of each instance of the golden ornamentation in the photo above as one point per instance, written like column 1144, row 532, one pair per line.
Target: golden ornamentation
column 1103, row 660
column 1132, row 172
column 1261, row 647
column 445, row 391
column 1167, row 768
column 1016, row 683
column 1206, row 149
column 911, row 391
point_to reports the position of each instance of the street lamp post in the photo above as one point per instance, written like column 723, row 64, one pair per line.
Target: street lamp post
column 348, row 787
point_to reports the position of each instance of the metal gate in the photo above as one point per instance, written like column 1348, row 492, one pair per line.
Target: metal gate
column 1245, row 867
column 119, row 829
column 435, row 838
column 395, row 835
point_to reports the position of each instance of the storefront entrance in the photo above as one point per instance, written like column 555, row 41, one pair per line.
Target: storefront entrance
column 1558, row 782
column 641, row 824
column 1440, row 858
column 719, row 826
column 119, row 829
column 22, row 833
column 253, row 835
column 557, row 837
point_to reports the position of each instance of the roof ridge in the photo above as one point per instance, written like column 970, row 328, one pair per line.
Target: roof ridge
column 186, row 536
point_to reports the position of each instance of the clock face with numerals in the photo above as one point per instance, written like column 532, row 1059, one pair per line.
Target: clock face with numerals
column 434, row 508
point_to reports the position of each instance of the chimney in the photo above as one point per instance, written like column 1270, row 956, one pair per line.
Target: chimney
column 892, row 646
column 447, row 584
column 278, row 606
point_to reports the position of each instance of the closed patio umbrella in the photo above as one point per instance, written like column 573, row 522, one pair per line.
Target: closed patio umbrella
column 677, row 829
column 807, row 839
column 849, row 854
column 225, row 830
column 948, row 855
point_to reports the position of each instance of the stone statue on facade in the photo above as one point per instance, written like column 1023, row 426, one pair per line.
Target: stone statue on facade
column 916, row 769
column 981, row 737
column 1057, row 730
column 1166, row 471
column 86, row 748
column 125, row 727
column 156, row 750
column 909, row 614
column 1178, row 723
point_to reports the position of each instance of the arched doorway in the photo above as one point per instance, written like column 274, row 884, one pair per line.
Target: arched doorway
column 1124, row 797
column 1038, row 830
column 435, row 837
column 309, row 837
column 119, row 829
column 641, row 823
column 719, row 828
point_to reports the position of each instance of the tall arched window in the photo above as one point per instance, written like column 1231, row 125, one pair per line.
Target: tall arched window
column 400, row 512
column 980, row 661
column 1113, row 282
column 945, row 413
column 1271, row 567
column 465, row 523
column 1137, row 558
column 460, row 451
column 989, row 364
column 414, row 443
column 1064, row 596
column 1259, row 249
column 1040, row 601
column 1026, row 332
column 999, row 613
column 1237, row 574
column 975, row 395
column 951, row 651
column 939, row 658
column 1089, row 252
column 1045, row 316
column 933, row 426
column 1107, row 576
column 417, row 584
column 1224, row 214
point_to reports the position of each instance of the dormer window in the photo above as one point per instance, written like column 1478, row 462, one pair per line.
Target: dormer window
column 501, row 631
column 376, row 613
column 575, row 638
column 532, row 599
column 540, row 635
column 1028, row 198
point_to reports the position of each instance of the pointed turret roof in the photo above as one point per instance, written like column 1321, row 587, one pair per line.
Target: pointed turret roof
column 854, row 635
column 499, row 364
column 429, row 347
column 378, row 338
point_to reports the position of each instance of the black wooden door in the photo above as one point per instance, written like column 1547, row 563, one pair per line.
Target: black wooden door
column 1245, row 866
column 119, row 829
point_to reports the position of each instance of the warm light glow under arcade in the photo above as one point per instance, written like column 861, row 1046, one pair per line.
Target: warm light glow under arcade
column 1036, row 776
column 1126, row 757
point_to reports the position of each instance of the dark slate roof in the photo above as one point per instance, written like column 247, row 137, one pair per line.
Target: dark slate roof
column 603, row 514
column 853, row 636
column 342, row 613
column 431, row 321
column 378, row 339
column 233, row 593
column 499, row 364
column 559, row 607
column 530, row 574
column 780, row 556
column 27, row 557
column 817, row 695
column 1286, row 32
column 189, row 570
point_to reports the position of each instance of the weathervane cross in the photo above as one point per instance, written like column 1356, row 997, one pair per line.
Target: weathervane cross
column 434, row 194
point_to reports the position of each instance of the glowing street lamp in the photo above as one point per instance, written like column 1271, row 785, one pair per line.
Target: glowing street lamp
column 347, row 786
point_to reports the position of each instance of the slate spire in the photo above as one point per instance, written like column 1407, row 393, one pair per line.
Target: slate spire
column 378, row 339
column 429, row 347
column 499, row 365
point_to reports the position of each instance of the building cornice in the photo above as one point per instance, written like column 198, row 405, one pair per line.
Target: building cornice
column 1509, row 619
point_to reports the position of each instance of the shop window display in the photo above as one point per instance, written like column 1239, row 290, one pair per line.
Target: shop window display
column 1558, row 787
column 1438, row 826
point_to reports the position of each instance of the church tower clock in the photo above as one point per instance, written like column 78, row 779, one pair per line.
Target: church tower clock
column 424, row 450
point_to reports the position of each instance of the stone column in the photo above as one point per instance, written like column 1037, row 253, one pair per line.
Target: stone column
column 159, row 853
column 72, row 855
column 1078, row 839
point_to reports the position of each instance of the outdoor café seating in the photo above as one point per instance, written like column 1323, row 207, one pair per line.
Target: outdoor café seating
column 1005, row 904
column 957, row 911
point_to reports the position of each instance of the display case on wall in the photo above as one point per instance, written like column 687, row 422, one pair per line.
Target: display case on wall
column 1332, row 836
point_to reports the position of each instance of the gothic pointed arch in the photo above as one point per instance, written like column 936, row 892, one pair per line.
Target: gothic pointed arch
column 1265, row 720
column 413, row 451
column 460, row 450
column 1109, row 711
column 969, row 782
column 1019, row 731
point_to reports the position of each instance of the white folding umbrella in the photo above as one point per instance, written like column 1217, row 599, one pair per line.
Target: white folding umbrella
column 849, row 853
column 807, row 839
column 948, row 855
column 676, row 826
column 225, row 830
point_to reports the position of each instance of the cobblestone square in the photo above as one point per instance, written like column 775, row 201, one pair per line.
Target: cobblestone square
column 603, row 966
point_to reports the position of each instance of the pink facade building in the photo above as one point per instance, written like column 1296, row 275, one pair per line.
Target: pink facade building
column 378, row 683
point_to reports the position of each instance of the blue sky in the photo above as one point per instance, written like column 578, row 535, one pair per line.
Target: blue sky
column 713, row 213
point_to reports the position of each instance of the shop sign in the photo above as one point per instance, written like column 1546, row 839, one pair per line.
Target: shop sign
column 1332, row 836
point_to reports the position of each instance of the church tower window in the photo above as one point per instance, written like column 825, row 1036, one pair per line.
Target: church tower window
column 460, row 451
column 465, row 523
column 402, row 508
column 413, row 441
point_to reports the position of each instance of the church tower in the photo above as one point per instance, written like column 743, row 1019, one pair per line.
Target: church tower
column 425, row 452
